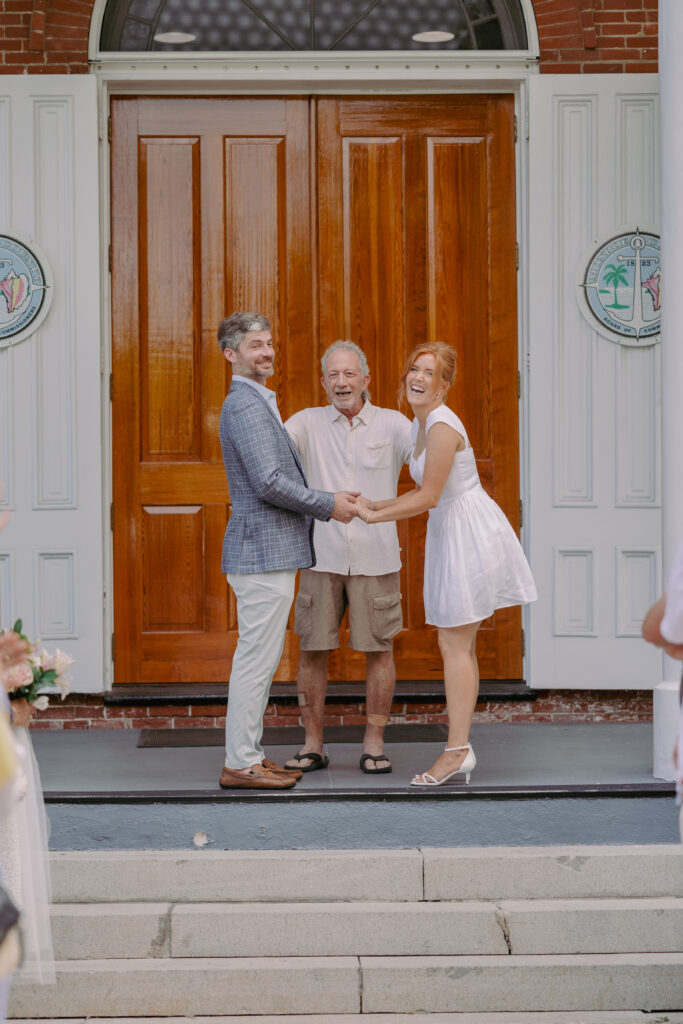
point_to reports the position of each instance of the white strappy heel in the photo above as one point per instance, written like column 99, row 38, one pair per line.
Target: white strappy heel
column 466, row 768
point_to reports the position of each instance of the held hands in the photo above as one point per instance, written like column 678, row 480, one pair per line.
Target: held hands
column 345, row 506
column 364, row 508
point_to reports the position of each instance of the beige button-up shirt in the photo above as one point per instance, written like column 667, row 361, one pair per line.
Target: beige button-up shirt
column 364, row 455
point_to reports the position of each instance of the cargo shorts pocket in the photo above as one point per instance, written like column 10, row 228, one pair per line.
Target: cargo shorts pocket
column 386, row 618
column 303, row 614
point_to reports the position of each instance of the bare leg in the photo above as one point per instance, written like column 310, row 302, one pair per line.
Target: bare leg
column 311, row 681
column 461, row 681
column 381, row 682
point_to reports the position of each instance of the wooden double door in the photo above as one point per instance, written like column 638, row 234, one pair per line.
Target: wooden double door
column 388, row 221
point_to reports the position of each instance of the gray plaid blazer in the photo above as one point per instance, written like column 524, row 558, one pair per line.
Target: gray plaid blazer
column 271, row 526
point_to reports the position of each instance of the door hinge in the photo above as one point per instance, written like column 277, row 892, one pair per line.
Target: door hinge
column 523, row 643
column 514, row 130
column 519, row 384
column 521, row 513
column 111, row 516
column 111, row 259
column 112, row 645
column 516, row 255
column 111, row 387
column 109, row 128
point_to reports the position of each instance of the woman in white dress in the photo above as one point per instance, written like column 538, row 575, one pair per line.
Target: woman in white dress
column 473, row 560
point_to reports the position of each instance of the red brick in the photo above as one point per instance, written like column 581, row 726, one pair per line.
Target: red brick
column 67, row 42
column 622, row 5
column 167, row 710
column 543, row 7
column 55, row 711
column 620, row 55
column 193, row 723
column 144, row 723
column 207, row 709
column 119, row 712
column 88, row 712
column 590, row 67
column 554, row 68
column 643, row 68
column 110, row 725
column 68, row 18
column 59, row 69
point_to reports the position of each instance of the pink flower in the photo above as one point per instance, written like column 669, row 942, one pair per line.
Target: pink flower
column 60, row 661
column 40, row 703
column 20, row 675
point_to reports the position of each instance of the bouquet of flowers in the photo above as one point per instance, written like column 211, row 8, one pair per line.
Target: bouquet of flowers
column 40, row 674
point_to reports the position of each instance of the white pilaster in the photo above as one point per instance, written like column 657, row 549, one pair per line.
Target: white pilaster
column 671, row 85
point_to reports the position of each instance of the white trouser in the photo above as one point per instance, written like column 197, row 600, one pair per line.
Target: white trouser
column 263, row 603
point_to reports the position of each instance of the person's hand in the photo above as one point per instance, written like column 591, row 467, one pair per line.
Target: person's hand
column 13, row 650
column 364, row 508
column 345, row 506
column 22, row 713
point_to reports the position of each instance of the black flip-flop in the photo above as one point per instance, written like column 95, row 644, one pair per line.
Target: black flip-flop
column 374, row 771
column 317, row 761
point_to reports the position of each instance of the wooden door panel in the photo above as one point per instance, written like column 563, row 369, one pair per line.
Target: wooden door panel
column 417, row 237
column 210, row 213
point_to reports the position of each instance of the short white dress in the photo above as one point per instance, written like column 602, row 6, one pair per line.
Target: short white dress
column 474, row 562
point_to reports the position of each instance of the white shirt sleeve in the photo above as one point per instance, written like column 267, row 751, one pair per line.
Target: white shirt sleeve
column 296, row 428
column 671, row 626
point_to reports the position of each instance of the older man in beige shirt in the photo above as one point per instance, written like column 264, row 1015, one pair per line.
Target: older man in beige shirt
column 361, row 448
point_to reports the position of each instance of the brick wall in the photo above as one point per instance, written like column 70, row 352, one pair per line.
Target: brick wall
column 80, row 712
column 51, row 36
column 587, row 36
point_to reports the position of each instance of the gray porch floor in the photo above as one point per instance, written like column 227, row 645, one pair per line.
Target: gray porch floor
column 522, row 758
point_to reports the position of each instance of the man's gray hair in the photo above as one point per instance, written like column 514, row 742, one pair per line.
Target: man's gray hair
column 349, row 346
column 232, row 330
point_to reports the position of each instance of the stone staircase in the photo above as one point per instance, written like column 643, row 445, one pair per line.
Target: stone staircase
column 430, row 931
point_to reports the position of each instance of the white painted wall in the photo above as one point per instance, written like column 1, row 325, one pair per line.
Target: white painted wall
column 594, row 413
column 50, row 384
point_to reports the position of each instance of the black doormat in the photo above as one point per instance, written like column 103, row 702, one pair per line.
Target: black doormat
column 290, row 736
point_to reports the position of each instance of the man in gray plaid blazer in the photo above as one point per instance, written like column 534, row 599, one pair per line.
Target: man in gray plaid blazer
column 269, row 536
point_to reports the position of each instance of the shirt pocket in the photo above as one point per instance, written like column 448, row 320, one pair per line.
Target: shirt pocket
column 377, row 455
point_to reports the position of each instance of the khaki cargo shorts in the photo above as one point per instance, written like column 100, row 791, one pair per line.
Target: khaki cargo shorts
column 374, row 604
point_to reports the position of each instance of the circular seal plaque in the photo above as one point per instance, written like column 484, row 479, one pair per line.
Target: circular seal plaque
column 620, row 288
column 25, row 289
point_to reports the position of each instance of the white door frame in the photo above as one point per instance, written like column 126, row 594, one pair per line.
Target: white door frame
column 304, row 73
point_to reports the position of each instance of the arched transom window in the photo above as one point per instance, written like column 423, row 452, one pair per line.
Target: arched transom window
column 285, row 25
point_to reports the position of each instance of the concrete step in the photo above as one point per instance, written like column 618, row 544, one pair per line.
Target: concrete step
column 237, row 876
column 647, row 925
column 552, row 872
column 576, row 1017
column 469, row 873
column 137, row 930
column 332, row 985
column 649, row 981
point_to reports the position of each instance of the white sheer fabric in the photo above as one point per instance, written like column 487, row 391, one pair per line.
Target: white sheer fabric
column 25, row 867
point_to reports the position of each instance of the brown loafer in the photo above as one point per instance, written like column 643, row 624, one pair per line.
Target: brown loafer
column 257, row 777
column 290, row 773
